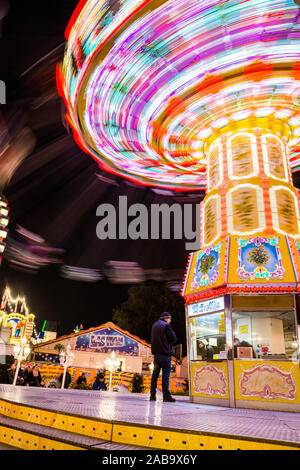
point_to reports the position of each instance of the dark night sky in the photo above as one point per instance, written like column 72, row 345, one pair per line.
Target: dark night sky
column 55, row 191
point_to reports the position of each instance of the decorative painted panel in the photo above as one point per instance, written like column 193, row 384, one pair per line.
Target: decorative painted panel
column 245, row 209
column 21, row 326
column 207, row 268
column 285, row 210
column 260, row 259
column 209, row 379
column 242, row 156
column 274, row 157
column 17, row 324
column 212, row 219
column 267, row 380
column 106, row 341
column 215, row 167
column 46, row 357
column 294, row 246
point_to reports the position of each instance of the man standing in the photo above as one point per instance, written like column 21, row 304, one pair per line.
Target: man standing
column 162, row 339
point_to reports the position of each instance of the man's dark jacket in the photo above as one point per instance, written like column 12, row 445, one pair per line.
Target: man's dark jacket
column 162, row 338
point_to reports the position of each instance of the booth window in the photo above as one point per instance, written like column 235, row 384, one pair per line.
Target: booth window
column 207, row 337
column 265, row 334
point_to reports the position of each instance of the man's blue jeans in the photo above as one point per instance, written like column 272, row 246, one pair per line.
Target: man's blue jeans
column 163, row 363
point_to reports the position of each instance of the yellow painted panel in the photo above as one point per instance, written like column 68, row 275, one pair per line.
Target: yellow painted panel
column 172, row 440
column 294, row 246
column 207, row 268
column 27, row 441
column 248, row 265
column 272, row 381
column 209, row 379
column 88, row 427
column 157, row 438
column 84, row 426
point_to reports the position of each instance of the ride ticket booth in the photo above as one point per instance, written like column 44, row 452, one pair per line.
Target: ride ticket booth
column 243, row 352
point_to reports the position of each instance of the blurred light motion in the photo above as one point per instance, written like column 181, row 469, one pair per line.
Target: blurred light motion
column 174, row 286
column 4, row 6
column 39, row 79
column 105, row 179
column 123, row 272
column 147, row 84
column 130, row 272
column 163, row 192
column 27, row 251
column 81, row 274
column 15, row 145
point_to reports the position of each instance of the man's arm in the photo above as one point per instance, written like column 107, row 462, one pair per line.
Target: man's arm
column 170, row 333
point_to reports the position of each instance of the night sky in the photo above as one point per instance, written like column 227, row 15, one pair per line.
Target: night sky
column 55, row 191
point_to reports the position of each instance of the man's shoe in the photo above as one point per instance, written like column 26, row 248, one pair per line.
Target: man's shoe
column 152, row 398
column 169, row 399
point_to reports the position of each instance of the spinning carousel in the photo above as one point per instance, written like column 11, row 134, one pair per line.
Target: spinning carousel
column 193, row 95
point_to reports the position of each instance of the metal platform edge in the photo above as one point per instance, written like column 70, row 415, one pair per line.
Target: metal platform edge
column 136, row 434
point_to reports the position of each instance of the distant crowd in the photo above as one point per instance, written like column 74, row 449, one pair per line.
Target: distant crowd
column 30, row 376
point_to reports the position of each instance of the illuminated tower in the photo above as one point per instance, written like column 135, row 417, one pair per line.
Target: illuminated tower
column 205, row 95
column 14, row 314
column 249, row 216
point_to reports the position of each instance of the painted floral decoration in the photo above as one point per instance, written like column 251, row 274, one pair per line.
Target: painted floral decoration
column 258, row 256
column 207, row 263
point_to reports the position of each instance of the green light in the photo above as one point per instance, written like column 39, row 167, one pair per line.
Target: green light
column 44, row 325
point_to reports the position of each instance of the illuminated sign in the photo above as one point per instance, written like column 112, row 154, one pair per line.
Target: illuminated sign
column 105, row 340
column 109, row 341
column 207, row 306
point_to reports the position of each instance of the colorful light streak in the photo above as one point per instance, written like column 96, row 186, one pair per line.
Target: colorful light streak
column 147, row 91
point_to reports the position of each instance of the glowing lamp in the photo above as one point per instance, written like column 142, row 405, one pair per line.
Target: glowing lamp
column 3, row 222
